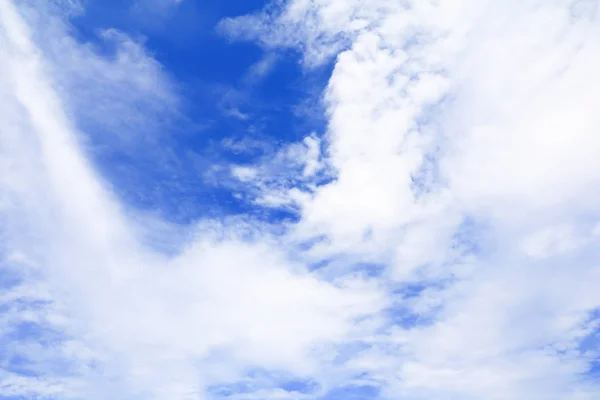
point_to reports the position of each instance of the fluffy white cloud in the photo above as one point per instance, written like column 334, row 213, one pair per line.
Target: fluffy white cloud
column 464, row 141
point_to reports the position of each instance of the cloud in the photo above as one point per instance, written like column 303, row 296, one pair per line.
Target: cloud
column 260, row 69
column 446, row 236
column 450, row 116
column 298, row 25
column 132, row 322
column 148, row 9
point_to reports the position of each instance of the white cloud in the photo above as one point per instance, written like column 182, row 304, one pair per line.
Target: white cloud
column 152, row 9
column 132, row 322
column 260, row 69
column 462, row 136
column 454, row 112
column 274, row 182
column 552, row 241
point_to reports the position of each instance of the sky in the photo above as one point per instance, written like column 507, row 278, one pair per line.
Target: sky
column 299, row 200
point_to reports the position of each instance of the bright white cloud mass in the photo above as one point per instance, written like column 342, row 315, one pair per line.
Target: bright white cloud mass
column 446, row 234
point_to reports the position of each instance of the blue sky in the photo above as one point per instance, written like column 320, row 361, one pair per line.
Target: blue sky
column 229, row 93
column 302, row 199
